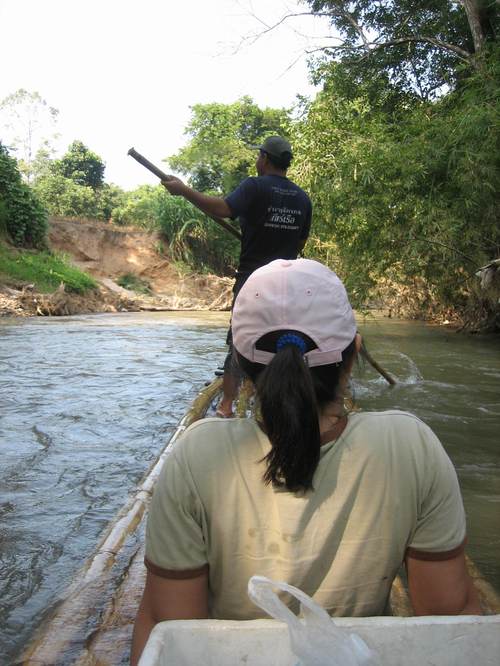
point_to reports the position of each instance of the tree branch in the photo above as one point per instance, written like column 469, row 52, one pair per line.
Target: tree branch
column 464, row 55
column 375, row 46
column 350, row 19
column 269, row 28
column 367, row 45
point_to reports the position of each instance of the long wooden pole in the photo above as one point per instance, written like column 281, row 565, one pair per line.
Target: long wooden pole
column 366, row 355
column 163, row 176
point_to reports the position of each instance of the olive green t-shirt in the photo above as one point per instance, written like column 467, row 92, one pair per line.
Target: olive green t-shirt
column 385, row 487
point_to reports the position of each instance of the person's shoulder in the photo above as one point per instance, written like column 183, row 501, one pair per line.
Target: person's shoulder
column 393, row 423
column 250, row 181
column 388, row 415
column 209, row 443
column 394, row 435
column 215, row 433
column 249, row 186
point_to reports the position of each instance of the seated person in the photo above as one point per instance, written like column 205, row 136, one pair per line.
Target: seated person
column 330, row 502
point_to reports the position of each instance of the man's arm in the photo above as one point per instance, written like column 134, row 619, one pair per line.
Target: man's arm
column 441, row 587
column 168, row 599
column 207, row 204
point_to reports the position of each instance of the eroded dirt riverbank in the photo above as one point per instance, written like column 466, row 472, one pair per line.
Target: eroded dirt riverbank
column 108, row 253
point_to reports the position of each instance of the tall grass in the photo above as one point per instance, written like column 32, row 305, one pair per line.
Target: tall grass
column 195, row 239
column 192, row 237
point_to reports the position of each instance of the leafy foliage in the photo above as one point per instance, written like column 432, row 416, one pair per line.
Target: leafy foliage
column 109, row 197
column 22, row 214
column 140, row 207
column 81, row 165
column 195, row 239
column 62, row 196
column 217, row 156
column 420, row 50
column 412, row 199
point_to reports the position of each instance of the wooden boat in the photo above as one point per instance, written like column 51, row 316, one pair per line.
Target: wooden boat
column 92, row 624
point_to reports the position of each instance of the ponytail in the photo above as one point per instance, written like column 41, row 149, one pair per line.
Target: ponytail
column 290, row 396
column 290, row 415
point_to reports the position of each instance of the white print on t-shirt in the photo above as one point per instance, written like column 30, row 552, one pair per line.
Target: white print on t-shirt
column 282, row 216
column 280, row 226
column 284, row 190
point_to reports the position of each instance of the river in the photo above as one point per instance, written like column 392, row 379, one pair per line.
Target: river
column 87, row 403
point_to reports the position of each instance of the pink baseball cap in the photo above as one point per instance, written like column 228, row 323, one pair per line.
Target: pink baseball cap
column 297, row 295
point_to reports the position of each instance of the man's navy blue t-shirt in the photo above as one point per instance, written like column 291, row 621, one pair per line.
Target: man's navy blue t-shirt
column 274, row 215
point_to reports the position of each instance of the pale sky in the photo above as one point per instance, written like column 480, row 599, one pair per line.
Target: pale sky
column 124, row 72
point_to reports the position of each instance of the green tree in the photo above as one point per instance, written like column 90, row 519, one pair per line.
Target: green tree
column 217, row 156
column 109, row 197
column 29, row 128
column 415, row 199
column 21, row 213
column 81, row 165
column 140, row 207
column 63, row 196
column 423, row 48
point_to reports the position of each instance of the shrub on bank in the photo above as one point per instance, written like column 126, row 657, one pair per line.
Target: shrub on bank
column 192, row 237
column 195, row 239
column 22, row 215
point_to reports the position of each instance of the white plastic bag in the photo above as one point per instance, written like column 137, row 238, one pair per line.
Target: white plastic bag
column 316, row 640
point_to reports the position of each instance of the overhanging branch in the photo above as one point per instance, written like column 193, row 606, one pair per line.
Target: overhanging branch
column 464, row 55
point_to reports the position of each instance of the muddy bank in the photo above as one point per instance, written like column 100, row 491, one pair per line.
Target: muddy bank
column 214, row 294
column 113, row 254
column 478, row 313
column 109, row 254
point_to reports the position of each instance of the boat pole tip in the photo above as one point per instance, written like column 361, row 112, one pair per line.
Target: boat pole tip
column 130, row 151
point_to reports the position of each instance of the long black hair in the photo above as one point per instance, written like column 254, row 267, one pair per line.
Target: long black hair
column 290, row 397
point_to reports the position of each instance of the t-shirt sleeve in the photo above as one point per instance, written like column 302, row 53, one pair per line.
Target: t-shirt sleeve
column 241, row 199
column 440, row 529
column 175, row 546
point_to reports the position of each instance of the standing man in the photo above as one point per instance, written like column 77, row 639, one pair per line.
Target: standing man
column 275, row 219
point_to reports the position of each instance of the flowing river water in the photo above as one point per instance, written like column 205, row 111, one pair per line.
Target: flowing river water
column 87, row 403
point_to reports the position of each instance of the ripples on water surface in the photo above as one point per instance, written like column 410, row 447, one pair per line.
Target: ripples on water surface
column 87, row 403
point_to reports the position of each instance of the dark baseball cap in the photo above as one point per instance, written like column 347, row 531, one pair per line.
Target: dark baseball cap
column 276, row 146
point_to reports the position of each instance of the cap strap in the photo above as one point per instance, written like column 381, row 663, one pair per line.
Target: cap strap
column 291, row 339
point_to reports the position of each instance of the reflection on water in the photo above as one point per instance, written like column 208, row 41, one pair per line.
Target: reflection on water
column 86, row 404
